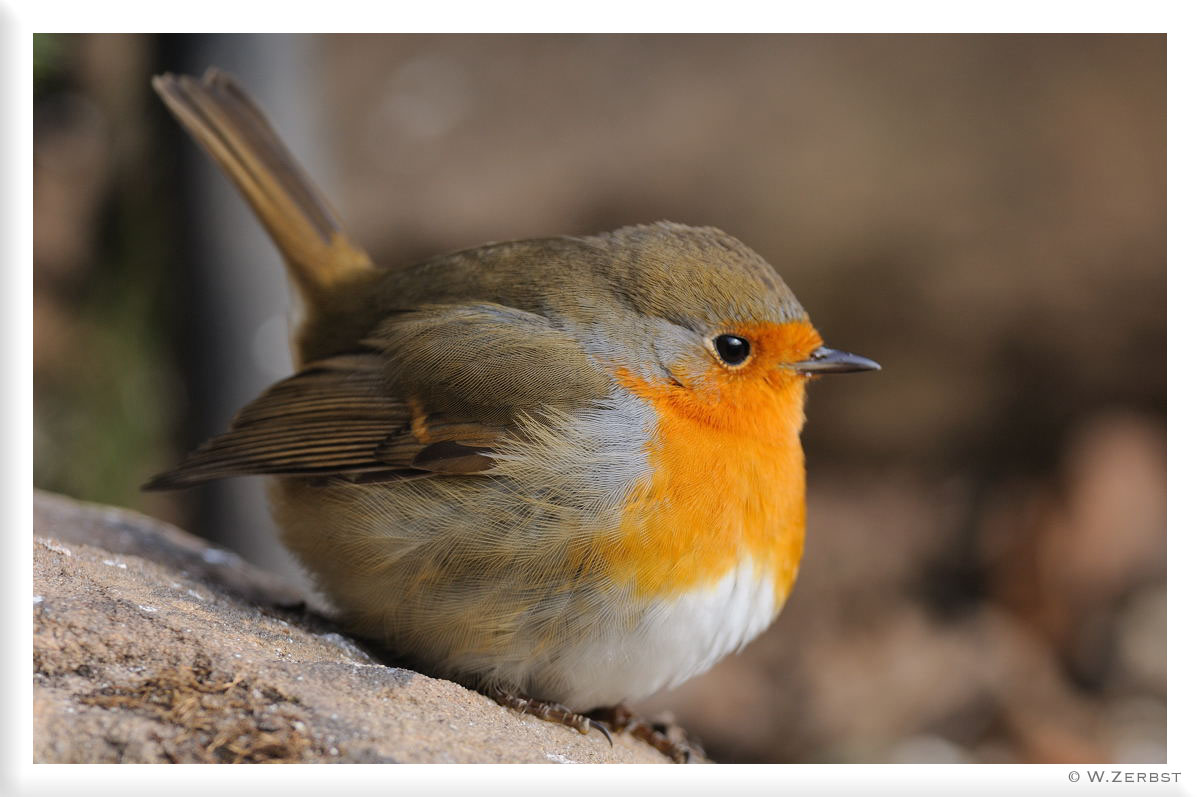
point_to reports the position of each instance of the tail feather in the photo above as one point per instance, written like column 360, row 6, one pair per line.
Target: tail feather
column 229, row 125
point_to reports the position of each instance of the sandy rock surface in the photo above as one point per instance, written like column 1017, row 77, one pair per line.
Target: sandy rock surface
column 152, row 646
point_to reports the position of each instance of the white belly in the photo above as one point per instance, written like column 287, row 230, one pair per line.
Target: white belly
column 673, row 641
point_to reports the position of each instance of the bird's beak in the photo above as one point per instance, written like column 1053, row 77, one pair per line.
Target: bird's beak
column 824, row 360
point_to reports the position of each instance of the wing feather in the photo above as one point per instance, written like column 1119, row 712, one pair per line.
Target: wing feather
column 334, row 418
column 430, row 392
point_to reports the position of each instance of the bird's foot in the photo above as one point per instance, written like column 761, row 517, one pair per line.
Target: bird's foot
column 550, row 712
column 665, row 737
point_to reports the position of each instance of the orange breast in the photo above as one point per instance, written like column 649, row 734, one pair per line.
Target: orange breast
column 727, row 478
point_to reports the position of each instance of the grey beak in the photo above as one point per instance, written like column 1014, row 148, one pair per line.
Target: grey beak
column 831, row 361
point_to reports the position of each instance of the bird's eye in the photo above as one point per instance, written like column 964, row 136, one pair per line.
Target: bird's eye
column 732, row 349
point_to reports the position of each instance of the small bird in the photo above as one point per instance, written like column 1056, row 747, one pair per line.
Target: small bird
column 566, row 471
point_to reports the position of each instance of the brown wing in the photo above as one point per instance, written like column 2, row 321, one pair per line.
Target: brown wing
column 336, row 418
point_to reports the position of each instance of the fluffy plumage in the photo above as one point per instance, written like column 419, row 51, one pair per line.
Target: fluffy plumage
column 524, row 465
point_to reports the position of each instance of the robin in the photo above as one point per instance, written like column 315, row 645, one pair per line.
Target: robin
column 565, row 471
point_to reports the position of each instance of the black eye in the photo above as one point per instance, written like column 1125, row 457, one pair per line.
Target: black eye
column 732, row 349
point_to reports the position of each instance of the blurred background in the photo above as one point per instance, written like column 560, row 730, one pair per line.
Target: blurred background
column 985, row 215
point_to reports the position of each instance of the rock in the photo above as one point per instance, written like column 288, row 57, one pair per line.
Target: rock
column 152, row 646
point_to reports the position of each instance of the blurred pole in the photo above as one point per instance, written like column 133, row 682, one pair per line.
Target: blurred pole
column 238, row 327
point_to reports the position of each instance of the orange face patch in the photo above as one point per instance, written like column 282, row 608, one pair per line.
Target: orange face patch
column 727, row 472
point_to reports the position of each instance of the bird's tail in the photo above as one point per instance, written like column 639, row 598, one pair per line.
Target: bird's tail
column 223, row 118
